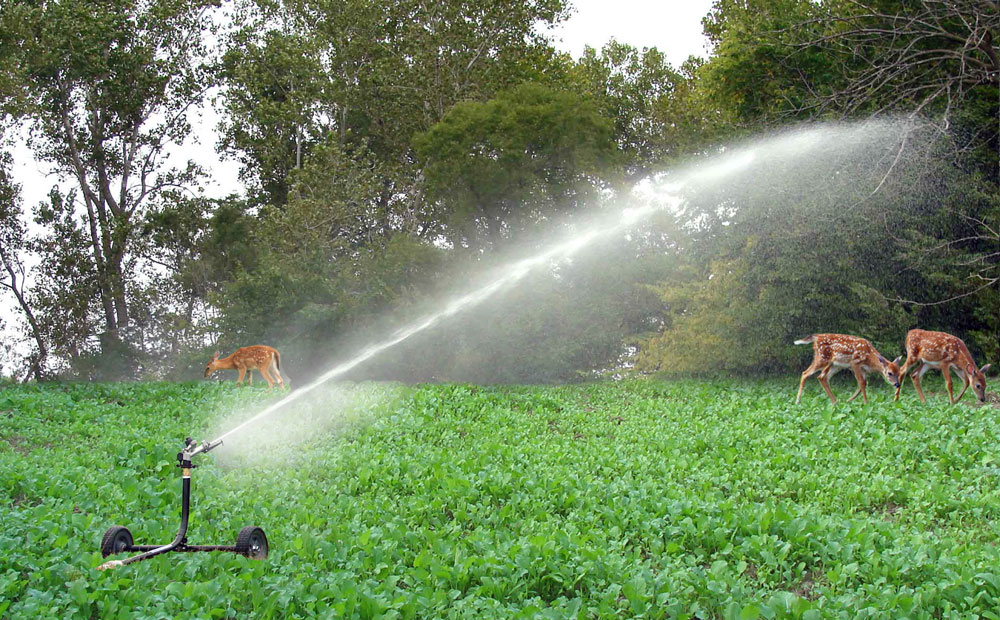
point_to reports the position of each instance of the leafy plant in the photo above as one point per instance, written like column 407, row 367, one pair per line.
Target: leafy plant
column 640, row 499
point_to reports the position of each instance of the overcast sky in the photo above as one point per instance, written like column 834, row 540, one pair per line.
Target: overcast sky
column 672, row 26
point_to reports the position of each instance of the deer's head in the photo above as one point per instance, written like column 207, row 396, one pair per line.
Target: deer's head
column 890, row 370
column 978, row 379
column 212, row 365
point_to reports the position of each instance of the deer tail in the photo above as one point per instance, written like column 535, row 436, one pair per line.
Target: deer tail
column 806, row 340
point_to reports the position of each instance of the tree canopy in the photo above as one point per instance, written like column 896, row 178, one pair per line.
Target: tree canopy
column 392, row 151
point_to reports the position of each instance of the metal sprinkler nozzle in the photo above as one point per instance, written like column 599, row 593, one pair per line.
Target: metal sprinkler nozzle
column 191, row 448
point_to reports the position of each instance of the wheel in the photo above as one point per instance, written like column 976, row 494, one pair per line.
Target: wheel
column 116, row 540
column 252, row 543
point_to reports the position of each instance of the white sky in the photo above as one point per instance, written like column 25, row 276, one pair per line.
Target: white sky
column 672, row 26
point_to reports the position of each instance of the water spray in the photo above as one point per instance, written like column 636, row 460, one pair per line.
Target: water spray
column 251, row 540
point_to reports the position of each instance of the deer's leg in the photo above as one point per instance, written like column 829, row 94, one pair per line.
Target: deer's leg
column 916, row 376
column 250, row 376
column 808, row 372
column 966, row 381
column 267, row 377
column 859, row 376
column 243, row 372
column 902, row 372
column 828, row 372
column 946, row 371
column 274, row 369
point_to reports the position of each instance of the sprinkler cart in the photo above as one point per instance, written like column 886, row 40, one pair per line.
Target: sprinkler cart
column 250, row 542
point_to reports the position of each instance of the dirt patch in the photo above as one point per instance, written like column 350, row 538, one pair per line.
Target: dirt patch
column 811, row 582
column 751, row 572
column 22, row 500
column 890, row 510
column 18, row 444
column 887, row 510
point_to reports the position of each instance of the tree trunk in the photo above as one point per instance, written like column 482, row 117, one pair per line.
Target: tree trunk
column 36, row 332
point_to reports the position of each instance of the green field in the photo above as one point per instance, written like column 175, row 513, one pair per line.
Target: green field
column 638, row 499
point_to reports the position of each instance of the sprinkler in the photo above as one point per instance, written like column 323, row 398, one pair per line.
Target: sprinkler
column 250, row 542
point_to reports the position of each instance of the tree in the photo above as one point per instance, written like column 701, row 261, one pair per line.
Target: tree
column 370, row 75
column 756, row 75
column 324, row 262
column 108, row 89
column 531, row 154
column 644, row 97
column 275, row 98
column 918, row 248
column 14, row 244
column 910, row 54
column 14, row 239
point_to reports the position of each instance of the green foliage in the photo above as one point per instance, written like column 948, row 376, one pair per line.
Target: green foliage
column 390, row 149
column 530, row 154
column 758, row 73
column 775, row 263
column 660, row 500
column 654, row 107
column 65, row 295
column 14, row 29
column 557, row 325
column 301, row 72
column 323, row 262
column 106, row 88
column 272, row 97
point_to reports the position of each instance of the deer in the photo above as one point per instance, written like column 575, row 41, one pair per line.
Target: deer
column 834, row 352
column 926, row 350
column 265, row 359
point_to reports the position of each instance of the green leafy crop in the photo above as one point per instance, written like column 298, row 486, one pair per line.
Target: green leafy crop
column 639, row 499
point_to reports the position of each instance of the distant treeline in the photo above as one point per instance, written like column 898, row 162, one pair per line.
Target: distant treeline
column 391, row 149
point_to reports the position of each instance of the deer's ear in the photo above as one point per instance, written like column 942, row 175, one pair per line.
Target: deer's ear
column 970, row 369
column 985, row 368
column 896, row 361
column 215, row 356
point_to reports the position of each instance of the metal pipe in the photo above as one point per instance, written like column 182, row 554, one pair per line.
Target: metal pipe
column 180, row 539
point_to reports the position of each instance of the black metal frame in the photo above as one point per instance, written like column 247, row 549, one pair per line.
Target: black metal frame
column 179, row 543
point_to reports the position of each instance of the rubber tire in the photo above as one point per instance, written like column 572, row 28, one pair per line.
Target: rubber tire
column 252, row 543
column 116, row 540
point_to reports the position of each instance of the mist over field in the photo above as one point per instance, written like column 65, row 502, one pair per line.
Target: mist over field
column 567, row 295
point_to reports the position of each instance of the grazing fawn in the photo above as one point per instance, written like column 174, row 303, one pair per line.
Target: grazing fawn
column 926, row 350
column 834, row 352
column 264, row 359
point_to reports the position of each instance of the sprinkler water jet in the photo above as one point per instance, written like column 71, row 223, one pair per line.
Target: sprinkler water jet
column 663, row 194
column 250, row 542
